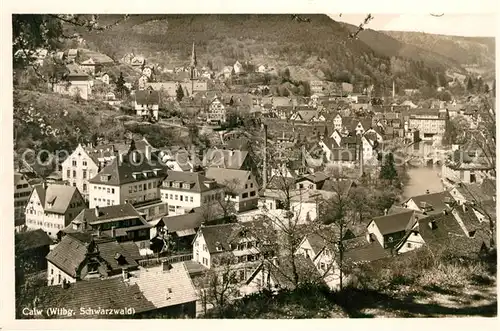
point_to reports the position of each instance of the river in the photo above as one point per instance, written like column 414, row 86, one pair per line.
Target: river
column 423, row 178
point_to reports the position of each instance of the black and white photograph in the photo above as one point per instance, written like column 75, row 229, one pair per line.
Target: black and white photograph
column 252, row 165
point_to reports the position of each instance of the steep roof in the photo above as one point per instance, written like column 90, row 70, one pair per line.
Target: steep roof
column 71, row 252
column 32, row 239
column 56, row 198
column 188, row 221
column 147, row 97
column 234, row 178
column 224, row 234
column 224, row 158
column 395, row 222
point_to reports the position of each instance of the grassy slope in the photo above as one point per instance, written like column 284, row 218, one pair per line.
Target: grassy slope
column 271, row 39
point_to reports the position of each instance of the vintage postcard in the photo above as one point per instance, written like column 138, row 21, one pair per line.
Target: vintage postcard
column 290, row 165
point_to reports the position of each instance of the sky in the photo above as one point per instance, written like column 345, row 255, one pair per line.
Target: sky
column 470, row 25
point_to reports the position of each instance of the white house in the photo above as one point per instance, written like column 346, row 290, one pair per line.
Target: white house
column 78, row 168
column 216, row 112
column 241, row 186
column 237, row 67
column 22, row 191
column 51, row 208
column 242, row 240
column 187, row 190
column 88, row 66
column 147, row 71
column 143, row 80
column 127, row 179
column 78, row 83
column 147, row 102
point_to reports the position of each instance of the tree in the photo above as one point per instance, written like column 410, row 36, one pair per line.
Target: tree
column 179, row 93
column 455, row 130
column 219, row 284
column 31, row 32
column 388, row 170
column 470, row 85
column 121, row 89
column 286, row 75
column 486, row 88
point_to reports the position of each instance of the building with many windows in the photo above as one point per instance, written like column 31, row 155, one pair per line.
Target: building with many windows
column 51, row 208
column 240, row 186
column 187, row 190
column 22, row 191
column 78, row 168
column 216, row 112
column 127, row 179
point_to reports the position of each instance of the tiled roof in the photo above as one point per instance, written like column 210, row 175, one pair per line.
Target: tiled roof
column 108, row 213
column 122, row 172
column 316, row 177
column 32, row 239
column 147, row 97
column 395, row 222
column 366, row 253
column 112, row 293
column 183, row 222
column 223, row 158
column 166, row 288
column 195, row 178
column 56, row 198
column 71, row 252
column 236, row 179
column 225, row 234
column 436, row 200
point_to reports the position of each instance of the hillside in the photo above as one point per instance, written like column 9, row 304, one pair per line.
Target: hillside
column 386, row 45
column 464, row 50
column 321, row 47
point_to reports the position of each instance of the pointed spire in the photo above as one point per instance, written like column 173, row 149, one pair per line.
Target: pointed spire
column 194, row 62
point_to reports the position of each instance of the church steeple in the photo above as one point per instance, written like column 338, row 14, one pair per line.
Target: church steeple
column 194, row 62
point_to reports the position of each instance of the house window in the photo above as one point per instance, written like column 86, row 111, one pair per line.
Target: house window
column 84, row 163
column 84, row 174
column 73, row 163
column 74, row 184
column 130, row 189
column 245, row 195
column 108, row 190
column 190, row 199
column 171, row 196
column 252, row 194
column 204, row 248
column 140, row 188
column 68, row 173
column 182, row 198
column 113, row 190
column 186, row 198
column 74, row 173
column 408, row 245
column 246, row 186
column 145, row 187
column 176, row 197
column 135, row 188
column 205, row 261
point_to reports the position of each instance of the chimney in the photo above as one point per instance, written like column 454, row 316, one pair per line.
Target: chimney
column 125, row 274
column 96, row 210
column 385, row 211
column 113, row 232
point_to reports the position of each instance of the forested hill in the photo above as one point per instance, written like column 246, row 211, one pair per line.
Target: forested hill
column 320, row 48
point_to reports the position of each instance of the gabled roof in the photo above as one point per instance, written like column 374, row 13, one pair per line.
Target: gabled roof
column 236, row 179
column 316, row 177
column 32, row 239
column 305, row 115
column 166, row 288
column 435, row 200
column 231, row 159
column 395, row 222
column 147, row 97
column 71, row 252
column 223, row 235
column 56, row 198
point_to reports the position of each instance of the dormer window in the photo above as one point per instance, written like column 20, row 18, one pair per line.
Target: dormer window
column 186, row 186
column 105, row 178
column 433, row 225
column 218, row 247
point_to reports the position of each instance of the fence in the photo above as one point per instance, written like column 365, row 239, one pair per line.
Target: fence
column 151, row 262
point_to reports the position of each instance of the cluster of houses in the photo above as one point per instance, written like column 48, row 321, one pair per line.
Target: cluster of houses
column 98, row 228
